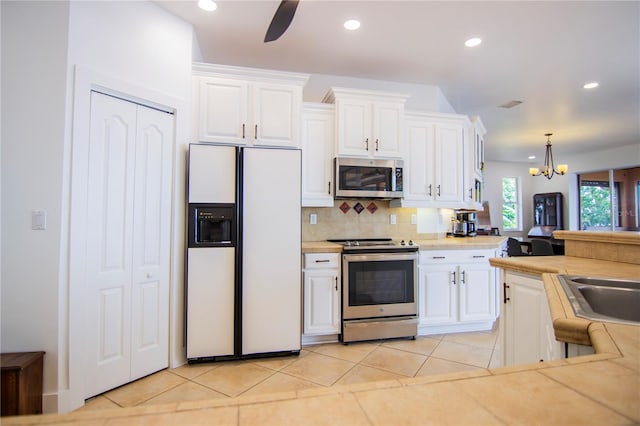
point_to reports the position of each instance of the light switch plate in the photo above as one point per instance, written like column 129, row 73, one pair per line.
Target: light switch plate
column 414, row 219
column 313, row 219
column 393, row 219
column 39, row 220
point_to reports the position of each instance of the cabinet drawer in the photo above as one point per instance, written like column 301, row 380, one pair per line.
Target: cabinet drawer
column 434, row 257
column 321, row 260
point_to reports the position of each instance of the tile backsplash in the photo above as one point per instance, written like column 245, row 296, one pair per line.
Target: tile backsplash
column 373, row 220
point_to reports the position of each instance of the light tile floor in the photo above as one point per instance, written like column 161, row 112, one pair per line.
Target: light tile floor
column 317, row 366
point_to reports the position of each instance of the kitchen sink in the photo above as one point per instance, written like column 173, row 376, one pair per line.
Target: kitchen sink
column 603, row 299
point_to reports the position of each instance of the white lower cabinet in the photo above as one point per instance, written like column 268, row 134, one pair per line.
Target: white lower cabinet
column 322, row 290
column 457, row 291
column 526, row 326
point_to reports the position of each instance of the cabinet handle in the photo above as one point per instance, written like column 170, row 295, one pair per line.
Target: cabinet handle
column 329, row 188
column 430, row 190
column 243, row 136
column 454, row 278
column 323, row 261
column 366, row 142
column 463, row 277
column 255, row 132
column 438, row 190
column 477, row 256
column 336, row 283
column 471, row 193
column 438, row 257
column 376, row 145
column 504, row 291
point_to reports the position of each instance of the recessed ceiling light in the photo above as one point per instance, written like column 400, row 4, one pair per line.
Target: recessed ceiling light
column 207, row 5
column 531, row 157
column 352, row 24
column 591, row 85
column 472, row 42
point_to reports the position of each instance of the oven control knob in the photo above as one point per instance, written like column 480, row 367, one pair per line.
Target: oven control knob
column 356, row 243
column 402, row 243
column 410, row 242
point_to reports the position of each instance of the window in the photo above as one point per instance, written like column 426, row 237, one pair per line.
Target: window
column 511, row 204
column 602, row 208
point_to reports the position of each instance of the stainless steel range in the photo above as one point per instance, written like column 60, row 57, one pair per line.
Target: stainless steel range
column 379, row 281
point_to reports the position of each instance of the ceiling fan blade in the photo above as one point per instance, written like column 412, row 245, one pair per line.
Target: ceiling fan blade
column 281, row 20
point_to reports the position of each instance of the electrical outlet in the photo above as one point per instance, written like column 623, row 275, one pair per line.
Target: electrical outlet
column 414, row 219
column 313, row 219
column 392, row 219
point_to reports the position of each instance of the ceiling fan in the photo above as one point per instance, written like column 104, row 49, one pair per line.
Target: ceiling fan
column 281, row 20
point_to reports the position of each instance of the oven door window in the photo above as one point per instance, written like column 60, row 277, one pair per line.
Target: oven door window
column 362, row 178
column 381, row 282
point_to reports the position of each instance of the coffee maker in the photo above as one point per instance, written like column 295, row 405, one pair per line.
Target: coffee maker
column 464, row 223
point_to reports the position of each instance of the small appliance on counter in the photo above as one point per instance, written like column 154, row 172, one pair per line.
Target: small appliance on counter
column 464, row 223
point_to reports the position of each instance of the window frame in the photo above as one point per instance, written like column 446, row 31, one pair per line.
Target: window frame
column 517, row 204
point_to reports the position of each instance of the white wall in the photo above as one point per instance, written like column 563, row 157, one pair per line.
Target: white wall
column 424, row 97
column 34, row 49
column 622, row 157
column 140, row 50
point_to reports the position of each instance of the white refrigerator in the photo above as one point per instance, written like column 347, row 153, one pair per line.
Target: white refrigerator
column 243, row 299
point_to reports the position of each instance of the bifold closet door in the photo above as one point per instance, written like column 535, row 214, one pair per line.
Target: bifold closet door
column 128, row 242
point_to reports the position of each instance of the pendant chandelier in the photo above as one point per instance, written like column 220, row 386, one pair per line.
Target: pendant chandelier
column 549, row 168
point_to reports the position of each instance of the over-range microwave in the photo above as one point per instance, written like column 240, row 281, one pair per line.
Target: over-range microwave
column 368, row 178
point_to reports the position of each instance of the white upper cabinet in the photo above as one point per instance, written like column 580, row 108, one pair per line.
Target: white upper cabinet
column 369, row 124
column 318, row 135
column 434, row 160
column 247, row 106
column 474, row 164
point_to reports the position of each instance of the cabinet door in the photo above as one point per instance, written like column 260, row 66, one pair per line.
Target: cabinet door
column 419, row 184
column 387, row 129
column 477, row 292
column 321, row 302
column 276, row 114
column 449, row 162
column 223, row 110
column 354, row 127
column 317, row 157
column 438, row 294
column 527, row 324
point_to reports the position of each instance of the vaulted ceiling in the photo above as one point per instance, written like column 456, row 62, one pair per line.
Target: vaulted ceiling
column 539, row 53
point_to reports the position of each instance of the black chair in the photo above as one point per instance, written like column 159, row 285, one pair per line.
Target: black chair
column 514, row 248
column 541, row 247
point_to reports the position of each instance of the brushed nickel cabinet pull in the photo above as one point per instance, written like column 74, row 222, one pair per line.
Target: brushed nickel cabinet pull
column 255, row 133
column 471, row 193
column 478, row 256
column 323, row 261
column 454, row 278
column 438, row 257
column 438, row 190
column 366, row 142
column 463, row 277
column 336, row 283
column 329, row 188
column 243, row 131
column 430, row 190
column 376, row 145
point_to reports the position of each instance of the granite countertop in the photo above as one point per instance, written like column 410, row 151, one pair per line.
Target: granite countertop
column 449, row 243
